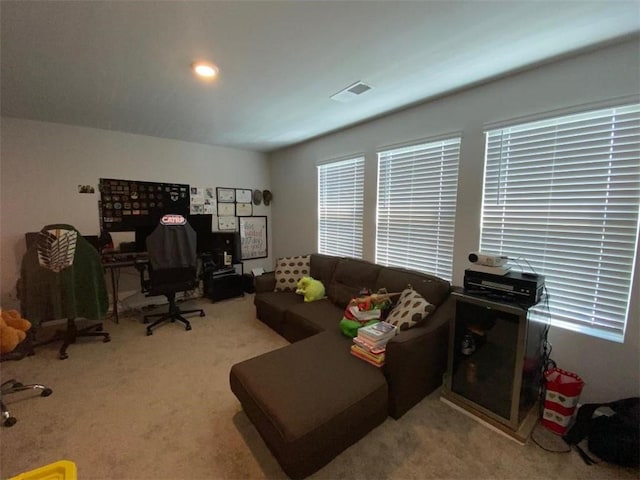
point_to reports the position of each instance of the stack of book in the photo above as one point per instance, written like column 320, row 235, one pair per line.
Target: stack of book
column 370, row 343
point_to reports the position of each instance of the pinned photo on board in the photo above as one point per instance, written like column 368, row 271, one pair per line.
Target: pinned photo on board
column 86, row 189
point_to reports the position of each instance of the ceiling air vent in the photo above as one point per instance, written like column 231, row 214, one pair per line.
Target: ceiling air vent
column 351, row 92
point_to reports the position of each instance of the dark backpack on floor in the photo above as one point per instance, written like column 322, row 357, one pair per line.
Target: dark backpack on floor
column 615, row 438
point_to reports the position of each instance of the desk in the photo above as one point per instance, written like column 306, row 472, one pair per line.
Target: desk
column 113, row 263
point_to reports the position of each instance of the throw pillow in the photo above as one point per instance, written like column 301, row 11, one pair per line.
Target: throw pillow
column 411, row 310
column 289, row 271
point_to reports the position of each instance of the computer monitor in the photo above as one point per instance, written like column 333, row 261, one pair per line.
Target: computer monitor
column 228, row 242
column 141, row 237
column 202, row 224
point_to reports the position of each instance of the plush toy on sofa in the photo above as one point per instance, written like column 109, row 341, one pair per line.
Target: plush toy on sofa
column 310, row 288
column 13, row 330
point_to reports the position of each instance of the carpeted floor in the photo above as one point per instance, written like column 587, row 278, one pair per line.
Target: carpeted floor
column 160, row 407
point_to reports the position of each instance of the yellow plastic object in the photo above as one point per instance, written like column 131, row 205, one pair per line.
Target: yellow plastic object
column 61, row 470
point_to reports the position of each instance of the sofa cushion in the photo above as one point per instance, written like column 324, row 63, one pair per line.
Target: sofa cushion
column 351, row 275
column 306, row 319
column 271, row 307
column 310, row 400
column 289, row 270
column 322, row 267
column 411, row 310
column 433, row 289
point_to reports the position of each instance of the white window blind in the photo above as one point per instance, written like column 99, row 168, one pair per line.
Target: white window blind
column 564, row 194
column 417, row 188
column 340, row 207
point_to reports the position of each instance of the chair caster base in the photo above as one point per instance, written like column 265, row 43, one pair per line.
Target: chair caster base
column 10, row 422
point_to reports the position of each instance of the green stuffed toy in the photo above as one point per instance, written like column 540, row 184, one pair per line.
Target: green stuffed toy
column 310, row 288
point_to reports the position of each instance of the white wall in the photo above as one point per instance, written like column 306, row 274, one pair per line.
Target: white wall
column 611, row 370
column 42, row 165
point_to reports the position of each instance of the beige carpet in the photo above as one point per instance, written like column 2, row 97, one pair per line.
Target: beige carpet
column 160, row 407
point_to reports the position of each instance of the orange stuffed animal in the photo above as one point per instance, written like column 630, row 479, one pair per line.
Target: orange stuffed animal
column 13, row 330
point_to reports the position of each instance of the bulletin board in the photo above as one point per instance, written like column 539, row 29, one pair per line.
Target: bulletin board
column 127, row 204
column 253, row 237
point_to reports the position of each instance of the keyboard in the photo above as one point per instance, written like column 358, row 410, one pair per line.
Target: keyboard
column 125, row 257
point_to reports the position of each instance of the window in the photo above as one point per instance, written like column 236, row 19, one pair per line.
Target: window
column 417, row 188
column 340, row 207
column 563, row 194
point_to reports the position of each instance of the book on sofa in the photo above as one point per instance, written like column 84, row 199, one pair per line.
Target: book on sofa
column 377, row 333
column 376, row 359
column 370, row 347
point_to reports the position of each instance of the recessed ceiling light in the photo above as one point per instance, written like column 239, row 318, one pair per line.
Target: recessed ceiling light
column 205, row 69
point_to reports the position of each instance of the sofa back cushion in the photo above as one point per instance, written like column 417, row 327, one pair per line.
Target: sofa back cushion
column 350, row 276
column 322, row 267
column 434, row 289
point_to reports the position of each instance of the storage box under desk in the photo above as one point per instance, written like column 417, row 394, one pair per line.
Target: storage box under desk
column 220, row 286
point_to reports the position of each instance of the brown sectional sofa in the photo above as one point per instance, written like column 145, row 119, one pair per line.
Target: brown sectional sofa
column 313, row 399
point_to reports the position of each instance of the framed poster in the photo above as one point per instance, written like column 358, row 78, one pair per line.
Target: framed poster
column 226, row 195
column 243, row 195
column 253, row 237
column 244, row 209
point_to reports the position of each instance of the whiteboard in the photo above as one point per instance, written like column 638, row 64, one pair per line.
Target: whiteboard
column 253, row 237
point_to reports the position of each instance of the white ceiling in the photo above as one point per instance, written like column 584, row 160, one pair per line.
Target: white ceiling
column 125, row 65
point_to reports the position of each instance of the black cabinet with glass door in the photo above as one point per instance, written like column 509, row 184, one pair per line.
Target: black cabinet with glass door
column 495, row 360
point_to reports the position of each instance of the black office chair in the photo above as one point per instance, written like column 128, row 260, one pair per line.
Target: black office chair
column 62, row 278
column 12, row 386
column 172, row 267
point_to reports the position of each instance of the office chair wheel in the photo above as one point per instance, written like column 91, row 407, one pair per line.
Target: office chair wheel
column 202, row 314
column 46, row 392
column 188, row 327
column 106, row 340
column 149, row 332
column 63, row 356
column 10, row 422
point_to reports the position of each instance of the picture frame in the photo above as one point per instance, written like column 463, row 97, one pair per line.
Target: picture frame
column 226, row 209
column 243, row 195
column 228, row 224
column 226, row 195
column 253, row 238
column 244, row 209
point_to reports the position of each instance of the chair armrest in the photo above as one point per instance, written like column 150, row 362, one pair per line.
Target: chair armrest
column 416, row 359
column 265, row 282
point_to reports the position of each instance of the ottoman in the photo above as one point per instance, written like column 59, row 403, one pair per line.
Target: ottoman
column 310, row 400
